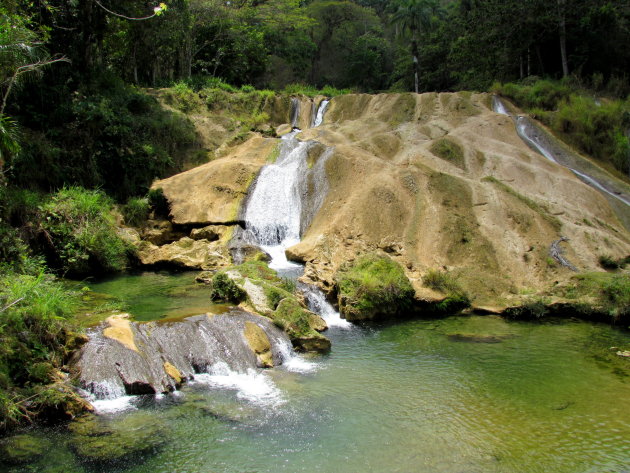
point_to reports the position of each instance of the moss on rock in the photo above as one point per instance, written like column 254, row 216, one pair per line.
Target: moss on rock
column 225, row 289
column 105, row 441
column 21, row 449
column 298, row 323
column 374, row 286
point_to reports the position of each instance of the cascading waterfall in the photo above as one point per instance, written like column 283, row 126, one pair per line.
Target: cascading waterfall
column 295, row 112
column 319, row 116
column 317, row 303
column 286, row 197
column 530, row 135
column 498, row 106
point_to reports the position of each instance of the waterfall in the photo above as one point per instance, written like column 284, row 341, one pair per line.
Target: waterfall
column 319, row 116
column 281, row 206
column 316, row 302
column 285, row 198
column 295, row 112
column 498, row 106
column 530, row 134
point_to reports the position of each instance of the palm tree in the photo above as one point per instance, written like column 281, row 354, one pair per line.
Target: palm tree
column 414, row 16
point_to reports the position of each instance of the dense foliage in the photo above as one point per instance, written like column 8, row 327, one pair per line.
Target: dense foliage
column 599, row 127
column 36, row 339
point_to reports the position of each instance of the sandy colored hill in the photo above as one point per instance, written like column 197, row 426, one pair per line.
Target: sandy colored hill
column 434, row 180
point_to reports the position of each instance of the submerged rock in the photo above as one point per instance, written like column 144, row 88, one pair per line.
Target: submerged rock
column 125, row 357
column 477, row 338
column 99, row 440
column 21, row 449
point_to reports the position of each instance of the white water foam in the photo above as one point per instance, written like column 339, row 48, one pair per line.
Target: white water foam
column 294, row 362
column 252, row 385
column 110, row 406
column 317, row 303
column 319, row 118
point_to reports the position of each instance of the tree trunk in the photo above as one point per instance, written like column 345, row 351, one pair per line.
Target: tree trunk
column 562, row 23
column 416, row 65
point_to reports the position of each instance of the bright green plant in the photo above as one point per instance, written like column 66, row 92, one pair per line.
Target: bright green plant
column 81, row 232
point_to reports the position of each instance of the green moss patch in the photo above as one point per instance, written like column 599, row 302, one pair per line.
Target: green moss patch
column 297, row 322
column 374, row 286
column 225, row 289
column 449, row 151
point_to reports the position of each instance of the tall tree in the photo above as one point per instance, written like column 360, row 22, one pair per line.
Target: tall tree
column 414, row 17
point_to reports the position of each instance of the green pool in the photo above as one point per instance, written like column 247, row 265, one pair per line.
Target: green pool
column 459, row 395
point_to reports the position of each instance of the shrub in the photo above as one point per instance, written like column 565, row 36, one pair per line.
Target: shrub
column 35, row 329
column 374, row 285
column 615, row 295
column 158, row 202
column 224, row 289
column 442, row 281
column 136, row 211
column 607, row 262
column 80, row 231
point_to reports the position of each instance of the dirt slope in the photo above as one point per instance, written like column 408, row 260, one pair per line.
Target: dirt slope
column 436, row 181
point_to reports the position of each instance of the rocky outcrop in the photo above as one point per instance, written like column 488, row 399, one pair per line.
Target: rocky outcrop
column 185, row 253
column 436, row 181
column 258, row 288
column 124, row 357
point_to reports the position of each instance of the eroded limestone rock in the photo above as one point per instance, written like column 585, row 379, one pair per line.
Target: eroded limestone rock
column 154, row 357
column 185, row 253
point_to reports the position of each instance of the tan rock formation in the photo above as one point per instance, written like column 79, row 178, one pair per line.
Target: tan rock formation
column 119, row 329
column 259, row 342
column 185, row 253
column 434, row 180
column 490, row 220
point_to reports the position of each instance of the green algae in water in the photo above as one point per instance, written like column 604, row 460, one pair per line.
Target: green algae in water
column 410, row 398
column 158, row 295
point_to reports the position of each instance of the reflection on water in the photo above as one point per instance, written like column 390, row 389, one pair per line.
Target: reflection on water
column 419, row 396
column 159, row 295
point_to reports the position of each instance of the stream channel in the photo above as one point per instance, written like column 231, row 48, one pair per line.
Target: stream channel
column 457, row 395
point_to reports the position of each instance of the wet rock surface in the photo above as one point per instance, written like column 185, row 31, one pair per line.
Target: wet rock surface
column 125, row 357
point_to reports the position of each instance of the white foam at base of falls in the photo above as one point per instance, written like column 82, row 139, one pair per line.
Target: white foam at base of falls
column 252, row 385
column 317, row 303
column 294, row 362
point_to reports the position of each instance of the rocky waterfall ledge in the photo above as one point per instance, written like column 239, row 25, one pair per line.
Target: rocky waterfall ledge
column 126, row 358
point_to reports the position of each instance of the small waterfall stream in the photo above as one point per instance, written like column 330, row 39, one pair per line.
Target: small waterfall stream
column 531, row 135
column 286, row 197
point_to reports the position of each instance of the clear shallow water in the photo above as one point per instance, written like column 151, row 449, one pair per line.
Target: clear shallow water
column 158, row 295
column 410, row 397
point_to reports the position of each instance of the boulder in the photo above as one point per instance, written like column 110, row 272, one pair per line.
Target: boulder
column 160, row 232
column 209, row 232
column 124, row 357
column 185, row 253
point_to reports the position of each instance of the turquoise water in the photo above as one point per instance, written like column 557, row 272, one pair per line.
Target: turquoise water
column 463, row 394
column 548, row 398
